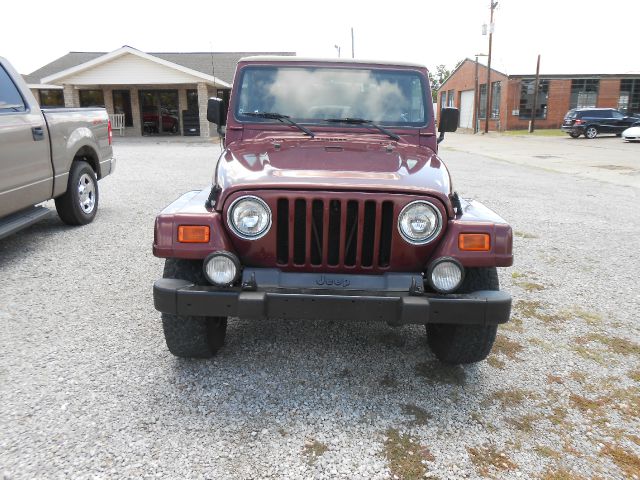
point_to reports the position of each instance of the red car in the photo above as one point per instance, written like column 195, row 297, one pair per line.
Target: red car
column 330, row 201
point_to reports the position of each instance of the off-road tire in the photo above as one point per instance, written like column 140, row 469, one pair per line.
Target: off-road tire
column 591, row 132
column 190, row 336
column 574, row 134
column 457, row 343
column 72, row 207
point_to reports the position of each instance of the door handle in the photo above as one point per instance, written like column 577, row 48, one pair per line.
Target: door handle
column 38, row 133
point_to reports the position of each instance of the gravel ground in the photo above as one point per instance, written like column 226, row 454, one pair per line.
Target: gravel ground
column 89, row 390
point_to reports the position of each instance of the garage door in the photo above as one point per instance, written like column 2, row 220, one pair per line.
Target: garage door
column 466, row 109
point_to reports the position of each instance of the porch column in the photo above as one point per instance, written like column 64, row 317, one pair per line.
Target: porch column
column 182, row 106
column 203, row 97
column 135, row 110
column 71, row 96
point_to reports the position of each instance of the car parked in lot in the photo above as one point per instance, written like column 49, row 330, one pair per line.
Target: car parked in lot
column 631, row 134
column 45, row 154
column 591, row 122
column 313, row 215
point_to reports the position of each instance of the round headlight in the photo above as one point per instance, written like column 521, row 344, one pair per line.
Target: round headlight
column 445, row 275
column 419, row 222
column 249, row 217
column 221, row 268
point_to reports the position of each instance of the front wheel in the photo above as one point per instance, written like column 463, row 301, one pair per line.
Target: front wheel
column 459, row 343
column 190, row 336
column 79, row 204
column 591, row 132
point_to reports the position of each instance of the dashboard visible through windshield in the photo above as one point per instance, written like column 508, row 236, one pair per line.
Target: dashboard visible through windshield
column 317, row 95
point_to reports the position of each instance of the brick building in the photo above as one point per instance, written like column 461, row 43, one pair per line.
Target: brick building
column 158, row 93
column 513, row 96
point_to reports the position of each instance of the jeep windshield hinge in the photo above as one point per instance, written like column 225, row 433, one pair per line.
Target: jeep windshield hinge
column 213, row 196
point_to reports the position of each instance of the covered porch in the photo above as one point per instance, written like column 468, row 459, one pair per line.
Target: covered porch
column 150, row 95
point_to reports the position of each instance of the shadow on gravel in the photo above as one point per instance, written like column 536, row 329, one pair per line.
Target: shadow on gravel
column 320, row 369
column 25, row 241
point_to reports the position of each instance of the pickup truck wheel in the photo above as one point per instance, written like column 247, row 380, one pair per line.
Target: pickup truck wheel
column 457, row 343
column 79, row 204
column 189, row 336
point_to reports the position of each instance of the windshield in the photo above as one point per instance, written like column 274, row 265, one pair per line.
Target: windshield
column 313, row 95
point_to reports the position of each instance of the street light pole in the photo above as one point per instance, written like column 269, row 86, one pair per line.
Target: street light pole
column 488, row 106
column 476, row 99
column 337, row 47
column 353, row 55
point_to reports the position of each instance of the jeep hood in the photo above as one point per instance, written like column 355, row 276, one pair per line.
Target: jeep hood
column 361, row 163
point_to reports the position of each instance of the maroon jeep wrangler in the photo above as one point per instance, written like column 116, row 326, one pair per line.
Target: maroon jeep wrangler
column 330, row 201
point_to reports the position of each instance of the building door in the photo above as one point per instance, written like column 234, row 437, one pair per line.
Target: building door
column 159, row 110
column 122, row 104
column 466, row 109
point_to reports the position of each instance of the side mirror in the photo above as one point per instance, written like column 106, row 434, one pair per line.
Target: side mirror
column 449, row 119
column 216, row 111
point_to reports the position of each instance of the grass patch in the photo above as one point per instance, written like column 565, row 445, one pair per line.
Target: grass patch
column 404, row 455
column 560, row 474
column 590, row 317
column 555, row 379
column 528, row 308
column 508, row 397
column 589, row 354
column 507, row 347
column 547, row 452
column 439, row 373
column 495, row 362
column 618, row 345
column 488, row 458
column 516, row 275
column 626, row 461
column 543, row 132
column 558, row 416
column 634, row 375
column 313, row 449
column 524, row 423
column 520, row 234
column 420, row 415
column 530, row 286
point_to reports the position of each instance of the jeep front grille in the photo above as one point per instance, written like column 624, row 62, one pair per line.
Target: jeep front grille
column 334, row 232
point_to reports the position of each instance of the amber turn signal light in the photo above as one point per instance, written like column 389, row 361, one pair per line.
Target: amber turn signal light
column 193, row 233
column 474, row 242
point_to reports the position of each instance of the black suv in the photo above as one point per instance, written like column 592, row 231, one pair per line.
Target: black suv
column 592, row 121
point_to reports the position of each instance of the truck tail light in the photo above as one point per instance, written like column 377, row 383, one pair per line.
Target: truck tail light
column 110, row 131
column 193, row 233
column 474, row 242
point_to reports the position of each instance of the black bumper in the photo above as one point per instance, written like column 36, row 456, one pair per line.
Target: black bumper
column 391, row 305
column 573, row 129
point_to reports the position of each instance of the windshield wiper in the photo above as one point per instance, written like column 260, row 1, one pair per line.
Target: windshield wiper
column 281, row 118
column 362, row 121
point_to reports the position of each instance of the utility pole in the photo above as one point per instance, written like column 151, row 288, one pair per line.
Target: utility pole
column 352, row 50
column 476, row 99
column 488, row 106
column 536, row 85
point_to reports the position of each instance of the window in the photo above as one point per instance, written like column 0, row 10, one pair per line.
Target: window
column 496, row 88
column 91, row 98
column 315, row 95
column 10, row 98
column 450, row 102
column 617, row 115
column 482, row 110
column 584, row 93
column 629, row 101
column 527, row 88
column 192, row 101
column 443, row 100
column 51, row 98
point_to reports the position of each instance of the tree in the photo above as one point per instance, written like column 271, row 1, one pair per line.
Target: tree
column 437, row 79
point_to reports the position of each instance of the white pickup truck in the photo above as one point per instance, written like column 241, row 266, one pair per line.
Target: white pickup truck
column 45, row 154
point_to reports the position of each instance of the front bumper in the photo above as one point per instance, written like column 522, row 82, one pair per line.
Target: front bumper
column 393, row 298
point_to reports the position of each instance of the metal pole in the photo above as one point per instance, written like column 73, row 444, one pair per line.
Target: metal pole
column 488, row 105
column 476, row 100
column 352, row 49
column 535, row 97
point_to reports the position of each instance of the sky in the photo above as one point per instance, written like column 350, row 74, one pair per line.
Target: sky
column 572, row 37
